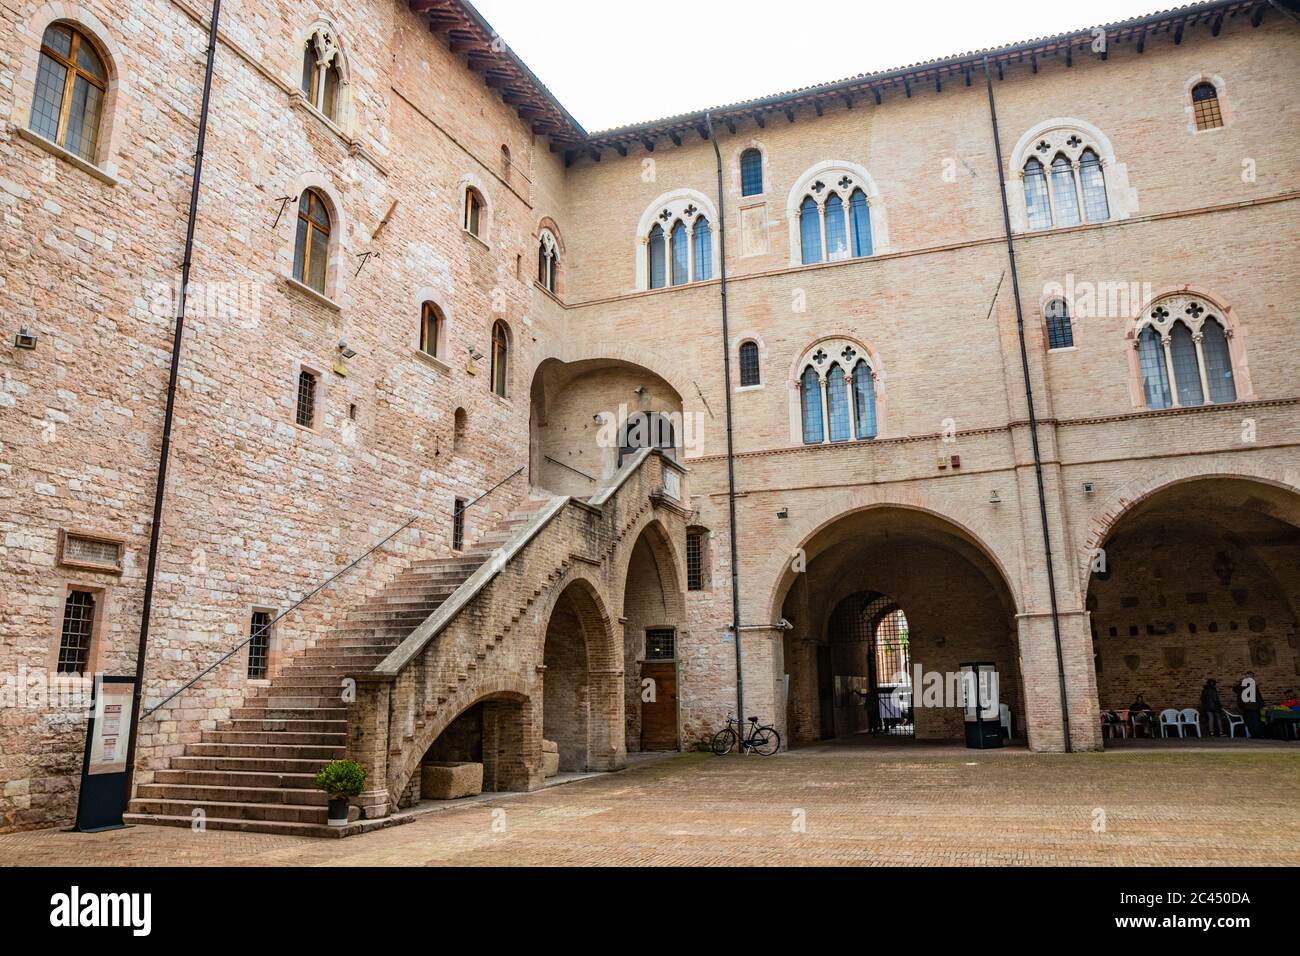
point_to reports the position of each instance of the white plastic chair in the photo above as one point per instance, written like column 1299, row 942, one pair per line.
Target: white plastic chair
column 1169, row 718
column 1004, row 714
column 1235, row 721
column 1191, row 717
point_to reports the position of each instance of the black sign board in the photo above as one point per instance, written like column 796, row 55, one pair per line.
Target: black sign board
column 104, row 772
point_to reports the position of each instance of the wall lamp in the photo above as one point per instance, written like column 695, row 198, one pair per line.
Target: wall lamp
column 25, row 338
column 995, row 498
column 346, row 352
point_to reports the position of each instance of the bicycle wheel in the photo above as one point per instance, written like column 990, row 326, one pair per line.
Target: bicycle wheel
column 723, row 741
column 765, row 742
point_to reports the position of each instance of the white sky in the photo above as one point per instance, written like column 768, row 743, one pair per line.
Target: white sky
column 615, row 62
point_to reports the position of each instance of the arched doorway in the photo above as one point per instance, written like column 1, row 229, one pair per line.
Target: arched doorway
column 1199, row 581
column 885, row 605
column 653, row 615
column 582, row 699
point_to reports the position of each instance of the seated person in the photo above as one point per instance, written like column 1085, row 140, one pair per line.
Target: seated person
column 1139, row 705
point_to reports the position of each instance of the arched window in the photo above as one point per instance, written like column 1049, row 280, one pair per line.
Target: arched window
column 860, row 223
column 1155, row 377
column 1218, row 363
column 1060, row 334
column 681, row 254
column 1092, row 181
column 1205, row 106
column 864, row 400
column 837, row 237
column 1065, row 198
column 430, row 329
column 500, row 357
column 702, row 238
column 473, row 211
column 1040, row 211
column 1187, row 369
column 548, row 261
column 656, row 251
column 837, row 403
column 311, row 251
column 646, row 430
column 810, row 399
column 751, row 173
column 810, row 231
column 460, row 424
column 321, row 78
column 71, row 82
column 749, row 368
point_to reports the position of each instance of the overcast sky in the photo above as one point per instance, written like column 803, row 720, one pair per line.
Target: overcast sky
column 615, row 62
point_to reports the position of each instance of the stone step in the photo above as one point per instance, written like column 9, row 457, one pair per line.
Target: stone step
column 304, row 797
column 302, row 700
column 247, row 826
column 291, row 725
column 272, row 710
column 236, row 778
column 249, row 764
column 231, row 810
column 276, row 738
column 267, row 751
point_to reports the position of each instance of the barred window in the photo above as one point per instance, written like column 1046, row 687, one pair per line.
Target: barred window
column 660, row 644
column 749, row 371
column 1060, row 332
column 259, row 645
column 751, row 173
column 78, row 629
column 695, row 561
column 458, row 525
column 1205, row 106
column 71, row 83
column 305, row 412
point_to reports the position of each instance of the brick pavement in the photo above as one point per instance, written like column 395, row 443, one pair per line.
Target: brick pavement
column 902, row 805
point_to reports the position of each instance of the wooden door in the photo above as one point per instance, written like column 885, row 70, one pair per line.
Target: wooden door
column 659, row 717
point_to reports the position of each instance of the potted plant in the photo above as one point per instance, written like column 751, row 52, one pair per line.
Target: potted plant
column 342, row 780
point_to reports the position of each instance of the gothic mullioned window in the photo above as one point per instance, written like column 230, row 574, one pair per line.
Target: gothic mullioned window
column 548, row 261
column 677, row 243
column 836, row 394
column 322, row 79
column 1184, row 358
column 1064, row 180
column 71, row 83
column 834, row 219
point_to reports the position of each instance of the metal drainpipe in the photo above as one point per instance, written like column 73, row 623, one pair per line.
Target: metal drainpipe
column 1033, row 418
column 731, row 460
column 160, row 488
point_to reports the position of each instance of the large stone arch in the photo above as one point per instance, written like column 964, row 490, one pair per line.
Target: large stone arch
column 778, row 566
column 580, row 674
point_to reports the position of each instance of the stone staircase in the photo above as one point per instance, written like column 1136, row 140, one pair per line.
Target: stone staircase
column 254, row 772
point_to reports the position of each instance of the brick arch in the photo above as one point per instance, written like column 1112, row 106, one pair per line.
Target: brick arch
column 401, row 770
column 777, row 569
column 1144, row 487
column 567, row 349
column 671, row 565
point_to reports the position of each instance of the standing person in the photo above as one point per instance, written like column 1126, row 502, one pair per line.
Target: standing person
column 1212, row 708
column 1251, row 702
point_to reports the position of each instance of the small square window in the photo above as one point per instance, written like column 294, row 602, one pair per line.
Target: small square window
column 305, row 412
column 660, row 644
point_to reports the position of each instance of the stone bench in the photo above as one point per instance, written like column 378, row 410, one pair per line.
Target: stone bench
column 550, row 758
column 448, row 780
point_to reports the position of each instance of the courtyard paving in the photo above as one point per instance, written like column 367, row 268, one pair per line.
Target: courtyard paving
column 908, row 804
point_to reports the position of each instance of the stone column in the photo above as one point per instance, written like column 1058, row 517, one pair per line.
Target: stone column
column 368, row 742
column 607, row 738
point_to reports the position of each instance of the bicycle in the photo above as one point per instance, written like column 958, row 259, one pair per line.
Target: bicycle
column 762, row 740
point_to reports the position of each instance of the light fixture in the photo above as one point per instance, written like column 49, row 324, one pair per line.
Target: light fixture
column 995, row 498
column 346, row 352
column 640, row 390
column 475, row 355
column 783, row 513
column 25, row 339
column 1089, row 488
